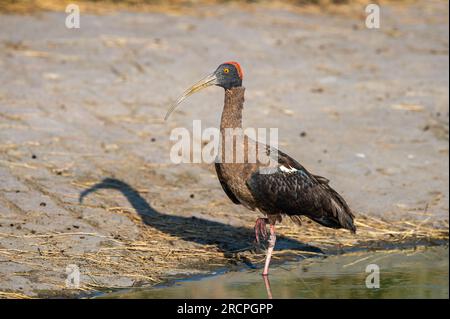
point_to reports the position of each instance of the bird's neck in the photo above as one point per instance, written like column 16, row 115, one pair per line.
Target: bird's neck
column 232, row 109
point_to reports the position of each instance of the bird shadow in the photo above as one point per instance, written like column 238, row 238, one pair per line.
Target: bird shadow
column 228, row 239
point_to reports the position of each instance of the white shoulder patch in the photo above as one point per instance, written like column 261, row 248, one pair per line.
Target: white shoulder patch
column 287, row 169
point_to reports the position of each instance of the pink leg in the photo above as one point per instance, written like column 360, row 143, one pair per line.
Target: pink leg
column 260, row 228
column 272, row 241
column 267, row 284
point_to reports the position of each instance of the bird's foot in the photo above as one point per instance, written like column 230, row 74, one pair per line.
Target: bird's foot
column 260, row 229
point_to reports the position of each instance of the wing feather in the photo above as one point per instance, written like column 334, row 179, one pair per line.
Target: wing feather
column 293, row 191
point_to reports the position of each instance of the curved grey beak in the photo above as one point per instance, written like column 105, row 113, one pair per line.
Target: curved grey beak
column 203, row 83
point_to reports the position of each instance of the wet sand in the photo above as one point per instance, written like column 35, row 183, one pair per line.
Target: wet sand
column 83, row 108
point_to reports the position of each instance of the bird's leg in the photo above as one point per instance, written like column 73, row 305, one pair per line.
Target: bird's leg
column 268, row 289
column 272, row 241
column 260, row 228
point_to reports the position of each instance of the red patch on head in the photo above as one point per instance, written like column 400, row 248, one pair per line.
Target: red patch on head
column 238, row 68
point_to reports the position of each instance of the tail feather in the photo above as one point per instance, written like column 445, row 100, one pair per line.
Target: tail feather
column 341, row 211
column 334, row 211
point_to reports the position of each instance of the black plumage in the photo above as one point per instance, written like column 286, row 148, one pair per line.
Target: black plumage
column 300, row 193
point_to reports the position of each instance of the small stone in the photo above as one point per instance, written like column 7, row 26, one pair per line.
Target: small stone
column 317, row 90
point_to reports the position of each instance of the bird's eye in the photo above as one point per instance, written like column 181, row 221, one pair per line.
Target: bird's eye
column 226, row 70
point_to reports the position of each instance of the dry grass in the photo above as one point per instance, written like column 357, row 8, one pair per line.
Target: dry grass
column 178, row 6
column 146, row 261
column 12, row 295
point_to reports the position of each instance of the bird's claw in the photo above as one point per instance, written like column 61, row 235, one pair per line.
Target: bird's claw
column 260, row 229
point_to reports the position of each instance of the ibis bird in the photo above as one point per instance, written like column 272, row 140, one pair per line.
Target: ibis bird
column 287, row 189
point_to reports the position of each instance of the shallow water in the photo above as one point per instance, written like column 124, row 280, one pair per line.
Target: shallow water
column 420, row 273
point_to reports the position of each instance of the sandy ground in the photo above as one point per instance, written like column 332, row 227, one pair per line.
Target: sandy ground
column 81, row 113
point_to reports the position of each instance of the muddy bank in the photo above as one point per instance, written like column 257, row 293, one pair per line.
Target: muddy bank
column 81, row 115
